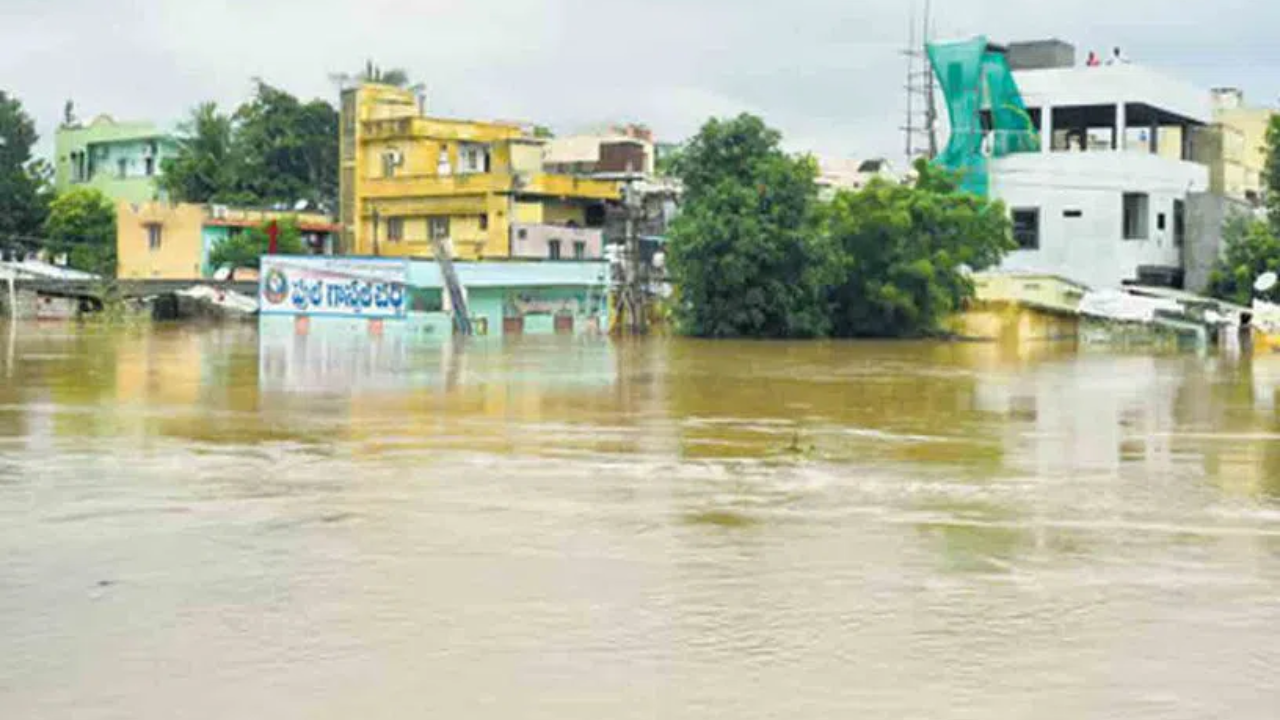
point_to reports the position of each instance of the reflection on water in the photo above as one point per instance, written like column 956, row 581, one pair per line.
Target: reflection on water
column 209, row 523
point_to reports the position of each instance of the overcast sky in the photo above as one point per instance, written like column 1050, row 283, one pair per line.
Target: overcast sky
column 828, row 73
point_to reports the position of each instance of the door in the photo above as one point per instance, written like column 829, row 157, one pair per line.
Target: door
column 564, row 324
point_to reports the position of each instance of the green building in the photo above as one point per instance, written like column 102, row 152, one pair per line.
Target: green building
column 122, row 159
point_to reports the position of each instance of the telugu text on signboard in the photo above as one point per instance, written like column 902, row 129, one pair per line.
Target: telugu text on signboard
column 349, row 287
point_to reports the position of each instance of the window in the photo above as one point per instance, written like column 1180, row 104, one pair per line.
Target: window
column 1179, row 222
column 122, row 168
column 390, row 161
column 1137, row 211
column 553, row 249
column 1160, row 222
column 522, row 234
column 1026, row 228
column 484, row 222
column 150, row 165
column 154, row 236
column 472, row 158
column 438, row 228
column 579, row 250
column 426, row 300
column 1072, row 213
column 395, row 229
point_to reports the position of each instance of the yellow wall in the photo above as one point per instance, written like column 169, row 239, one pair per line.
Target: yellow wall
column 1013, row 323
column 529, row 213
column 388, row 120
column 181, row 236
column 558, row 213
column 1046, row 291
column 178, row 256
column 1252, row 123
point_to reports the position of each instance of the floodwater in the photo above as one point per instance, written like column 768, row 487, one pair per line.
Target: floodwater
column 206, row 524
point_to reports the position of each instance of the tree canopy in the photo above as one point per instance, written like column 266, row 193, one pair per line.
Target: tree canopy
column 744, row 250
column 755, row 254
column 202, row 170
column 23, row 196
column 902, row 251
column 246, row 248
column 82, row 225
column 273, row 150
column 1271, row 175
column 1251, row 246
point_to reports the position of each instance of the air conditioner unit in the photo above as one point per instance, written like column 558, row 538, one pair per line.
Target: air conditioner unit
column 219, row 212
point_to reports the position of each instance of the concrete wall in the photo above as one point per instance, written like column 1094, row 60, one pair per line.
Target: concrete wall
column 1251, row 125
column 187, row 234
column 533, row 242
column 1207, row 216
column 1111, row 85
column 1091, row 248
column 105, row 144
column 387, row 120
column 180, row 255
column 1041, row 55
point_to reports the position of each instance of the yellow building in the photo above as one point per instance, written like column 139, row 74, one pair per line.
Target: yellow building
column 1246, row 128
column 164, row 241
column 407, row 179
column 1018, row 308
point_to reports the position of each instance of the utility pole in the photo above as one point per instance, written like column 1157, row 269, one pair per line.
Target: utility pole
column 631, row 287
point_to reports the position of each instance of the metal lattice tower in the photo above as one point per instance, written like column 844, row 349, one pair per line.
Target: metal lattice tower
column 921, row 128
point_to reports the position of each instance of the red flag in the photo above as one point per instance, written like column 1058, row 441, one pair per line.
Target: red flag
column 273, row 238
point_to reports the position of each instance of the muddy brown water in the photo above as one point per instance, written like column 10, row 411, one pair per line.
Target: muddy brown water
column 209, row 524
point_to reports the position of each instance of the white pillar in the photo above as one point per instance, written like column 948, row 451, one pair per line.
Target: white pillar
column 1046, row 129
column 1122, row 127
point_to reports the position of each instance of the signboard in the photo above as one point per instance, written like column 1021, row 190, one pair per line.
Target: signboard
column 335, row 286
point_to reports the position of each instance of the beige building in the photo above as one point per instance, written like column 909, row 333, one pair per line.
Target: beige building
column 1244, row 143
column 848, row 174
column 167, row 241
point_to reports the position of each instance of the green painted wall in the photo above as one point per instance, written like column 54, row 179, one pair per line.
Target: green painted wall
column 108, row 148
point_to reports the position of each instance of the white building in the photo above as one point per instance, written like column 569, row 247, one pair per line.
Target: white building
column 849, row 174
column 1104, row 202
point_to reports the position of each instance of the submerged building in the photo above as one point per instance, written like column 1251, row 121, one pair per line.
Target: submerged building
column 375, row 296
column 1076, row 154
column 173, row 241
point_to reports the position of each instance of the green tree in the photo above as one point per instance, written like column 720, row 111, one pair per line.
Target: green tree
column 1250, row 249
column 23, row 204
column 902, row 253
column 82, row 225
column 204, row 169
column 744, row 250
column 273, row 150
column 245, row 249
column 288, row 149
column 1272, row 173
